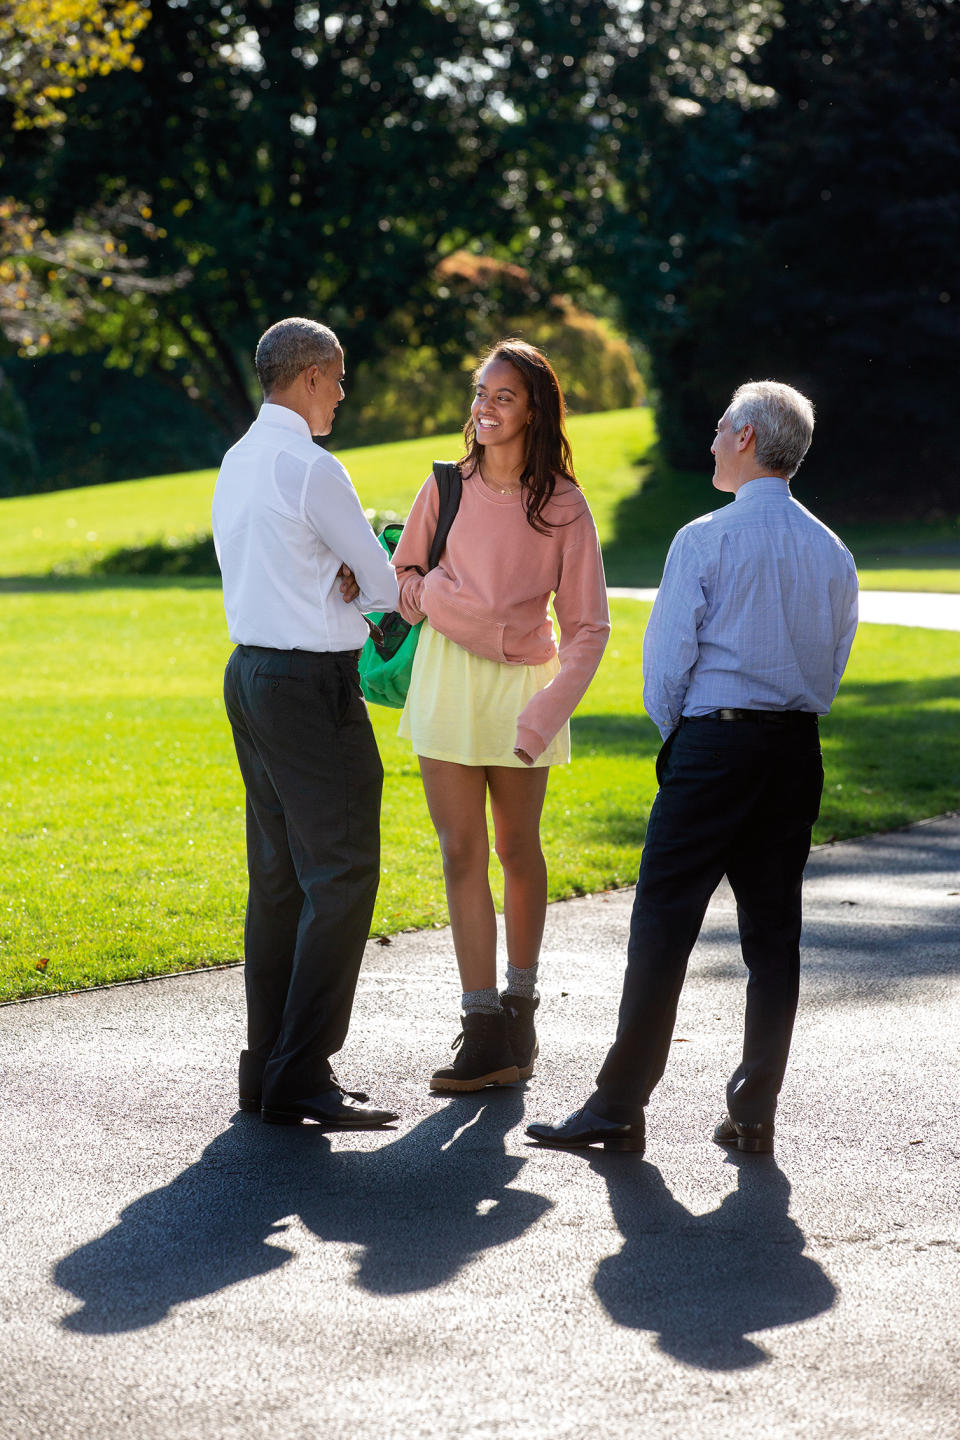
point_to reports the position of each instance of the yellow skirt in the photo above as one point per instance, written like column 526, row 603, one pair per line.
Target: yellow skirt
column 464, row 709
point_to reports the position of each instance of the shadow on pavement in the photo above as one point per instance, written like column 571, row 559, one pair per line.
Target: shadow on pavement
column 703, row 1283
column 419, row 1208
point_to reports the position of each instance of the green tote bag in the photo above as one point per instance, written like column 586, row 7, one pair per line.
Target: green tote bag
column 386, row 659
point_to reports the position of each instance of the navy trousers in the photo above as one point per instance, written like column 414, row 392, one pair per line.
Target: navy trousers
column 313, row 779
column 736, row 798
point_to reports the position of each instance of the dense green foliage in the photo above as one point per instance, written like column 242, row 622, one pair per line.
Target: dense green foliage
column 294, row 161
column 749, row 187
column 17, row 453
column 416, row 390
column 94, row 424
column 111, row 424
column 805, row 228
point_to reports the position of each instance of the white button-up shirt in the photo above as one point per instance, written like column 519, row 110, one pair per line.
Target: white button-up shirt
column 285, row 517
column 757, row 610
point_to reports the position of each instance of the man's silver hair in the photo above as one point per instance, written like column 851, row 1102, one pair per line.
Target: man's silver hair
column 782, row 421
column 289, row 347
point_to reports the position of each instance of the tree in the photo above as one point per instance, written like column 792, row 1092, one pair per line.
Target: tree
column 765, row 186
column 49, row 282
column 417, row 389
column 802, row 208
column 296, row 163
column 52, row 47
column 16, row 447
column 326, row 160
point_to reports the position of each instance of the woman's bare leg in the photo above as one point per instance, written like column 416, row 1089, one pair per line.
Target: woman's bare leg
column 516, row 800
column 457, row 801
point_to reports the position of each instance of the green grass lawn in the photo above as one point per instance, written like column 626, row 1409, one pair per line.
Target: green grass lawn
column 907, row 557
column 637, row 500
column 121, row 820
column 926, row 574
column 71, row 528
column 121, row 837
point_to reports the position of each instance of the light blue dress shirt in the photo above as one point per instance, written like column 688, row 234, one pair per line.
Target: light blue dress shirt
column 757, row 610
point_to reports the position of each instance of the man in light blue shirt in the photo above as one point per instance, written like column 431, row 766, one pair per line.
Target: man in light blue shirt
column 748, row 639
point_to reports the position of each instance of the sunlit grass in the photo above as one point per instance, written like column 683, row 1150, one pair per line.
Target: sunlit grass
column 637, row 500
column 69, row 528
column 121, row 808
column 121, row 820
column 908, row 557
column 930, row 579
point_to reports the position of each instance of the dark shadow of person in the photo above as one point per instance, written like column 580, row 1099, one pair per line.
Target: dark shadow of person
column 703, row 1283
column 434, row 1200
column 419, row 1208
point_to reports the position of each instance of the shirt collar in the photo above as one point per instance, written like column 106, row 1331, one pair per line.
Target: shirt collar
column 286, row 418
column 764, row 485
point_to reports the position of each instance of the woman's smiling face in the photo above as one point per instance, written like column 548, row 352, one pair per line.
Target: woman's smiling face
column 501, row 406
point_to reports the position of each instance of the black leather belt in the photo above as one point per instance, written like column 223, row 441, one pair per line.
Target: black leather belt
column 757, row 717
column 269, row 650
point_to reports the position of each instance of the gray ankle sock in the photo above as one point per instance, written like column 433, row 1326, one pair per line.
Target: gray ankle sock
column 523, row 981
column 480, row 1002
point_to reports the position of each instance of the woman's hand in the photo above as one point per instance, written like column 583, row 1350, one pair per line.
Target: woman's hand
column 522, row 755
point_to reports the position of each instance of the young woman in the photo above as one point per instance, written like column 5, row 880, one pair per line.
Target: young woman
column 491, row 694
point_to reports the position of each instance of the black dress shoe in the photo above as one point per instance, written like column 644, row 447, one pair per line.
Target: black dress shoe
column 756, row 1139
column 583, row 1127
column 251, row 1082
column 334, row 1109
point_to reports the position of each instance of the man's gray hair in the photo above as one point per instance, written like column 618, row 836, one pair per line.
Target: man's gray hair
column 782, row 421
column 291, row 346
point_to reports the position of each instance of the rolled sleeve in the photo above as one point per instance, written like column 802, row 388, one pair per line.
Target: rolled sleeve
column 331, row 506
column 411, row 556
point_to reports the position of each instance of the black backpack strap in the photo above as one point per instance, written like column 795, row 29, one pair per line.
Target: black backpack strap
column 450, row 485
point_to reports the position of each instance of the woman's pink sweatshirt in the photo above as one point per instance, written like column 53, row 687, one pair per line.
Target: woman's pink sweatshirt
column 490, row 591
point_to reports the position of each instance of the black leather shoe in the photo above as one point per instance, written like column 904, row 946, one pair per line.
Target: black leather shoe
column 755, row 1139
column 583, row 1127
column 334, row 1109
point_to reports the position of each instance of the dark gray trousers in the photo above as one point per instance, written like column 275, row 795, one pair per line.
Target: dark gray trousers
column 313, row 780
column 737, row 799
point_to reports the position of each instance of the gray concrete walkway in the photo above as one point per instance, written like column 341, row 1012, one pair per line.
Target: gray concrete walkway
column 877, row 607
column 175, row 1270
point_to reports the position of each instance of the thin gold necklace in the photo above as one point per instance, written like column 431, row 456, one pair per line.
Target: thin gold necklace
column 514, row 491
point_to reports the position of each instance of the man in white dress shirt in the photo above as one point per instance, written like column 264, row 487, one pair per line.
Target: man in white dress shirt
column 746, row 644
column 300, row 565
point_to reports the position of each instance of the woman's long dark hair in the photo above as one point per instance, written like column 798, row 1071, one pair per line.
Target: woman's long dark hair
column 547, row 453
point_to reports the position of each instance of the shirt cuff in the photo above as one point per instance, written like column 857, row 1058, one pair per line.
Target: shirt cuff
column 529, row 741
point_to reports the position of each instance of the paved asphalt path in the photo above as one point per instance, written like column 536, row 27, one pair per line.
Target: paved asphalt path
column 176, row 1270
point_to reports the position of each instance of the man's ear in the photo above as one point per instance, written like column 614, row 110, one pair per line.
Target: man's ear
column 310, row 376
column 746, row 435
